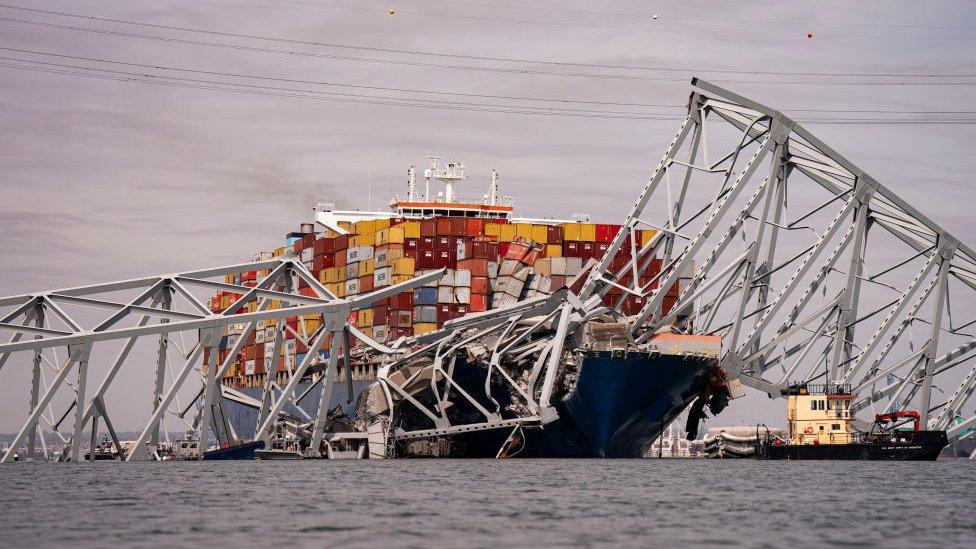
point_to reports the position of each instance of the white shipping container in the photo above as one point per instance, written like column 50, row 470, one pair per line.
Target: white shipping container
column 445, row 294
column 379, row 333
column 492, row 269
column 352, row 286
column 260, row 325
column 573, row 265
column 558, row 266
column 462, row 295
column 382, row 277
column 270, row 334
column 290, row 346
column 447, row 279
column 306, row 254
column 248, row 367
column 425, row 313
column 290, row 361
column 462, row 278
column 259, row 337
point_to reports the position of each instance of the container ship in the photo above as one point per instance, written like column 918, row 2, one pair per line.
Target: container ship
column 621, row 398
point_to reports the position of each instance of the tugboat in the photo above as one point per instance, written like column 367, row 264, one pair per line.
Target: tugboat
column 820, row 427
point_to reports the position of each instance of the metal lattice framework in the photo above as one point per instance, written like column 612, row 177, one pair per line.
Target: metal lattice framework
column 168, row 310
column 808, row 268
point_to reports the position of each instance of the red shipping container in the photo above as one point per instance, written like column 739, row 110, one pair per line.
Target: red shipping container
column 571, row 249
column 668, row 304
column 342, row 242
column 585, row 250
column 533, row 256
column 340, row 258
column 554, row 234
column 323, row 261
column 445, row 313
column 402, row 301
column 365, row 284
column 606, row 233
column 516, row 251
column 502, row 249
column 459, row 226
column 426, row 259
column 428, row 227
column 479, row 302
column 445, row 243
column 475, row 227
column 445, row 260
column 460, row 310
column 600, row 249
column 410, row 244
column 324, row 246
column 354, row 318
column 479, row 285
column 478, row 267
column 427, row 243
column 443, row 226
column 463, row 247
column 380, row 312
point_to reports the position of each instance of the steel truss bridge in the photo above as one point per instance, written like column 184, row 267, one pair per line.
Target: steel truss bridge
column 809, row 269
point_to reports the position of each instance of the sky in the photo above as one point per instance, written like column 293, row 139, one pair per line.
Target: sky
column 109, row 178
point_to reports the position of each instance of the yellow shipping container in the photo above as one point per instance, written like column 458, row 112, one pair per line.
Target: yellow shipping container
column 278, row 252
column 571, row 231
column 228, row 279
column 646, row 236
column 368, row 330
column 271, row 323
column 404, row 266
column 392, row 235
column 363, row 239
column 324, row 275
column 366, row 227
column 382, row 224
column 411, row 229
column 424, row 328
column 523, row 229
column 554, row 250
column 493, row 229
column 365, row 317
column 540, row 233
column 506, row 233
column 312, row 324
column 367, row 267
column 587, row 232
column 397, row 279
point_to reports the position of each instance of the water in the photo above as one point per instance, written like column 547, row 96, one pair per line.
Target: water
column 453, row 503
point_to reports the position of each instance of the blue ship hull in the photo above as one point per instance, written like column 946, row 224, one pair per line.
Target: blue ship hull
column 621, row 403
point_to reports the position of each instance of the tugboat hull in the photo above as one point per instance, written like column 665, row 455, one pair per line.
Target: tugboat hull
column 920, row 446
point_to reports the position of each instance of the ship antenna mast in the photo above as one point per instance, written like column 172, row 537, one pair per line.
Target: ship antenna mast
column 411, row 184
column 493, row 190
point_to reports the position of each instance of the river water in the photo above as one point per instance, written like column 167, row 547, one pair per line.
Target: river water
column 504, row 503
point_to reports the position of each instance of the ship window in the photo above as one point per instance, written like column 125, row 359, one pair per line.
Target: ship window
column 835, row 426
column 821, row 404
column 821, row 427
column 813, row 404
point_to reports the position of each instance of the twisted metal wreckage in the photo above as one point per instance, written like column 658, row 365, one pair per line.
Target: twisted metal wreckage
column 807, row 269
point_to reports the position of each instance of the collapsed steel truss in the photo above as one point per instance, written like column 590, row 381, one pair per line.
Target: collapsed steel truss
column 809, row 269
column 166, row 309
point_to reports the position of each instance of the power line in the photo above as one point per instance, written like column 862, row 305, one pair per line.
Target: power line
column 417, row 91
column 195, row 30
column 272, row 91
column 336, row 84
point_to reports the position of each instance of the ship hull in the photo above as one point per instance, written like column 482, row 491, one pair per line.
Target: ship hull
column 923, row 446
column 621, row 402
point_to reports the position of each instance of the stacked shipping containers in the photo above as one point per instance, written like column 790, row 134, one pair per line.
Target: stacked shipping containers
column 490, row 263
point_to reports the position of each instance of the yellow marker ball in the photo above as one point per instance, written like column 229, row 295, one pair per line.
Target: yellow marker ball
column 392, row 11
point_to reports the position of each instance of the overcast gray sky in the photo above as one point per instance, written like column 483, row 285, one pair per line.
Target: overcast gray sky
column 105, row 179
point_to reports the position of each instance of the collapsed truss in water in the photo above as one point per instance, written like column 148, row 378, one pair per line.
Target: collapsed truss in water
column 808, row 269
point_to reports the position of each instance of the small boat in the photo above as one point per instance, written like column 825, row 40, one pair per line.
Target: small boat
column 186, row 448
column 103, row 451
column 284, row 445
column 820, row 428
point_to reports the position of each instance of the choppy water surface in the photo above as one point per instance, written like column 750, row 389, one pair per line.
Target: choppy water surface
column 451, row 503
